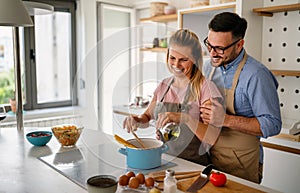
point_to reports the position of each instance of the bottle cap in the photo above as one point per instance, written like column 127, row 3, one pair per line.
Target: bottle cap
column 170, row 172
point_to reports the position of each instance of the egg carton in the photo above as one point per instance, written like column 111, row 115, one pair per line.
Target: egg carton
column 126, row 189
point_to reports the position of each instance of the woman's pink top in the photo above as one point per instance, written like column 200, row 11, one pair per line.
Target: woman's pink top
column 176, row 95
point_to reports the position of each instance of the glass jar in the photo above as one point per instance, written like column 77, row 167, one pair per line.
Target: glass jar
column 170, row 182
column 170, row 131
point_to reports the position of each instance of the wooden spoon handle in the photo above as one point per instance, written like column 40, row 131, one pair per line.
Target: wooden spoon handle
column 124, row 142
column 138, row 140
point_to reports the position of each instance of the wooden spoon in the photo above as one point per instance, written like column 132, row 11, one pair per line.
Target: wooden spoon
column 138, row 139
column 124, row 142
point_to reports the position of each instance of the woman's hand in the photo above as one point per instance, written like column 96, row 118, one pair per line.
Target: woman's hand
column 168, row 117
column 213, row 113
column 132, row 122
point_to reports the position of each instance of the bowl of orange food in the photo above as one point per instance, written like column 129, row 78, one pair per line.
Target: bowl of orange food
column 67, row 135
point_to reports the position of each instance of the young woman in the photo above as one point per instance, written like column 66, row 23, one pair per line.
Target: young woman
column 178, row 99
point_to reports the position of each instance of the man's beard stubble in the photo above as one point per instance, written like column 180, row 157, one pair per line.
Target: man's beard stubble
column 225, row 62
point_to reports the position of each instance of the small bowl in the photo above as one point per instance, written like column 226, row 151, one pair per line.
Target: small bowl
column 67, row 135
column 102, row 183
column 169, row 10
column 39, row 138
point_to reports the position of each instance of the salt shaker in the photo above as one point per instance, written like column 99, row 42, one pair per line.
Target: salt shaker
column 170, row 182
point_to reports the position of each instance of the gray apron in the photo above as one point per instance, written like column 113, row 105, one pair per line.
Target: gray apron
column 187, row 145
column 235, row 152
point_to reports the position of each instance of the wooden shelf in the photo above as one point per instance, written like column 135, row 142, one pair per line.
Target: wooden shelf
column 161, row 18
column 155, row 49
column 286, row 72
column 268, row 11
column 209, row 10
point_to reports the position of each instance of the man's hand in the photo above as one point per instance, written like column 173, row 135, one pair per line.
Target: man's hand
column 213, row 114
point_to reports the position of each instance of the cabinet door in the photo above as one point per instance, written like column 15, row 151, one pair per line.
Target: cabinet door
column 281, row 170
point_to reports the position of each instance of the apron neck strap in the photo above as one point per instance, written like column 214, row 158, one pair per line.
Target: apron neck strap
column 186, row 97
column 230, row 92
column 168, row 88
column 212, row 72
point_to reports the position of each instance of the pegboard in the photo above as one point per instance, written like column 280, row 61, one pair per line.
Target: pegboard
column 281, row 51
column 289, row 96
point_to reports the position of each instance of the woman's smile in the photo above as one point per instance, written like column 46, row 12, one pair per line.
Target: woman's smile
column 177, row 70
column 179, row 64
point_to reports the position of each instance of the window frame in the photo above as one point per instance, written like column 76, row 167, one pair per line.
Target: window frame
column 30, row 63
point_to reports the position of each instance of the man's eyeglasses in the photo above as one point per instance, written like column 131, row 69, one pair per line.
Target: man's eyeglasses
column 217, row 49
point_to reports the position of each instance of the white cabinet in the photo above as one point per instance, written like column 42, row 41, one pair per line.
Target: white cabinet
column 281, row 168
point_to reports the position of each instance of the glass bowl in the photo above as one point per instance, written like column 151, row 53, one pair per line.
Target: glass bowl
column 67, row 135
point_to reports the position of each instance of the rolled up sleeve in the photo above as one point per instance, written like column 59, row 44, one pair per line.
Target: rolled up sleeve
column 265, row 101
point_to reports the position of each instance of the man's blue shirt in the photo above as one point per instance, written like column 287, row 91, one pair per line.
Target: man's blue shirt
column 255, row 95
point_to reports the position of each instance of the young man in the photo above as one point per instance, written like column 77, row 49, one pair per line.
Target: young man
column 252, row 105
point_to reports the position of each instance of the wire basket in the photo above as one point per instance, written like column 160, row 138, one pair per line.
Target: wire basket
column 157, row 8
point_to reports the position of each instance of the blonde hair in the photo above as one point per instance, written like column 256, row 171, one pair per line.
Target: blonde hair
column 187, row 38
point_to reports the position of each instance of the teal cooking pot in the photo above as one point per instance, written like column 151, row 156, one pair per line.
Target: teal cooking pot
column 147, row 158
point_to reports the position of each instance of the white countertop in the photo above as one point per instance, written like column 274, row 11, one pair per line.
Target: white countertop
column 127, row 109
column 21, row 171
column 282, row 142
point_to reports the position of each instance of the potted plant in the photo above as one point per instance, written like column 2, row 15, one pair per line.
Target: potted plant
column 13, row 103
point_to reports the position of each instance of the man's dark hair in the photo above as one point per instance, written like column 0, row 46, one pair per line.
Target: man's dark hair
column 229, row 22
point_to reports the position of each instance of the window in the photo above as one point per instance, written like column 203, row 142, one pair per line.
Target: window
column 7, row 85
column 47, row 59
column 51, row 78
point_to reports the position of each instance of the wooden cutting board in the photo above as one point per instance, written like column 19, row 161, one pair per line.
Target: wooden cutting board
column 229, row 187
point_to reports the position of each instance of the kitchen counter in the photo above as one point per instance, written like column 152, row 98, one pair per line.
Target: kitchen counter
column 22, row 171
column 282, row 144
column 281, row 156
column 127, row 109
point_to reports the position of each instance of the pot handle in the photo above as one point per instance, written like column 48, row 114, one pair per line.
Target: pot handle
column 123, row 151
column 164, row 148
